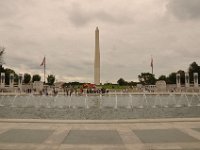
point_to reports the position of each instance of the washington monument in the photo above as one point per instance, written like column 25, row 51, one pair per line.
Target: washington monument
column 97, row 59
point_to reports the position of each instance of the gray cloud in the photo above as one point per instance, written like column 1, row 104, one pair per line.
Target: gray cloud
column 80, row 15
column 185, row 9
column 130, row 32
column 11, row 26
column 8, row 8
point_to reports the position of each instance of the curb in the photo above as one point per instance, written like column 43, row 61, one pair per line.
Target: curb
column 132, row 121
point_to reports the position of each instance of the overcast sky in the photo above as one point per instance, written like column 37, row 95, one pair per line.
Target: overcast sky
column 130, row 32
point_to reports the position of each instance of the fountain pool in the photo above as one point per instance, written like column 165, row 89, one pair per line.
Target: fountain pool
column 109, row 106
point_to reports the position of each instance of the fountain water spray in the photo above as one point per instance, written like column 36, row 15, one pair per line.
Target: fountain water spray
column 130, row 104
column 12, row 103
column 115, row 101
column 145, row 99
column 86, row 103
column 2, row 98
column 127, row 100
column 100, row 101
column 188, row 103
column 70, row 101
column 198, row 99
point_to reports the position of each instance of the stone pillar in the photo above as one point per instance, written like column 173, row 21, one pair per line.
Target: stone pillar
column 196, row 82
column 20, row 81
column 11, row 80
column 3, row 80
column 178, row 80
column 187, row 80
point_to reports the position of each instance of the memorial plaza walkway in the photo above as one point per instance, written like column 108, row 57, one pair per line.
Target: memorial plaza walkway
column 138, row 134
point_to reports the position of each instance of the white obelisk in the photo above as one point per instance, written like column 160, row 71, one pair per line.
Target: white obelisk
column 97, row 59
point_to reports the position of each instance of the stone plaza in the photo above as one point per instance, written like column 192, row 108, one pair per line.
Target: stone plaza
column 139, row 134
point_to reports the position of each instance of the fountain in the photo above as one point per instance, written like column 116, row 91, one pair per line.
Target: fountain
column 108, row 100
column 115, row 105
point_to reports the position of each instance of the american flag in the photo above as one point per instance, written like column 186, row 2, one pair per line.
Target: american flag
column 151, row 62
column 43, row 62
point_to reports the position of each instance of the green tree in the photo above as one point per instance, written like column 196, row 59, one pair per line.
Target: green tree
column 147, row 78
column 36, row 77
column 132, row 83
column 7, row 75
column 2, row 51
column 122, row 82
column 51, row 79
column 2, row 69
column 107, row 83
column 27, row 78
column 193, row 68
column 162, row 77
column 16, row 78
column 171, row 79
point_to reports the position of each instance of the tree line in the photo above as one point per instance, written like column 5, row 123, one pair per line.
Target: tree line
column 27, row 78
column 147, row 78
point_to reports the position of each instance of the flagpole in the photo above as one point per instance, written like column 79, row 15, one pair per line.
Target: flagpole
column 151, row 64
column 44, row 68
